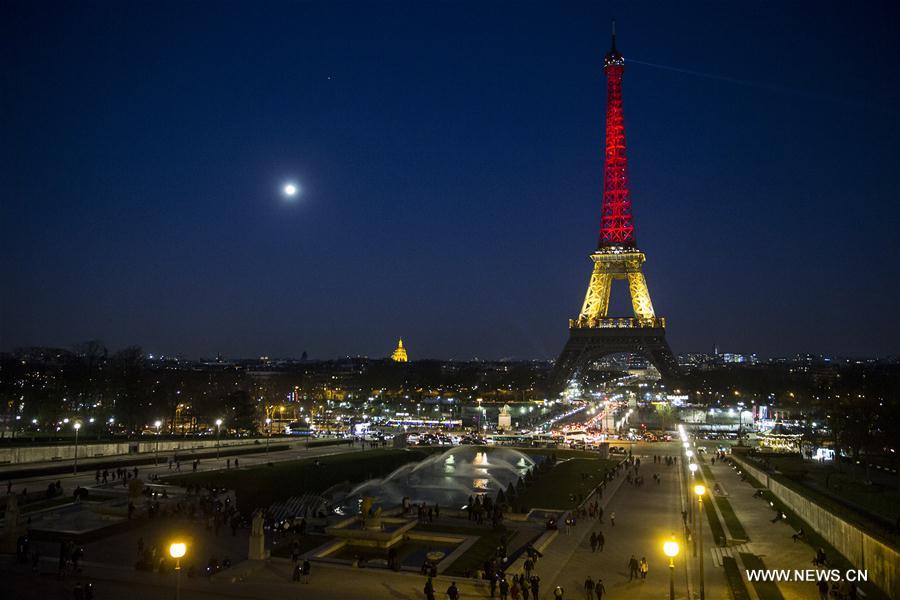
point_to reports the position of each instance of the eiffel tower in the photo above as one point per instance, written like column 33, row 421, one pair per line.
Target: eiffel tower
column 594, row 333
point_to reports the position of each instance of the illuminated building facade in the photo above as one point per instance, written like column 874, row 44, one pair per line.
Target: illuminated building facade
column 594, row 333
column 399, row 354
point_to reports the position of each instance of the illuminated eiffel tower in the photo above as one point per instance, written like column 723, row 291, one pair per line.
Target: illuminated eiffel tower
column 594, row 334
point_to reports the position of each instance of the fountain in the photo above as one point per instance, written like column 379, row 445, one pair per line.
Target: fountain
column 447, row 479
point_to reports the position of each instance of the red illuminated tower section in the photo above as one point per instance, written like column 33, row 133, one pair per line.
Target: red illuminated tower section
column 616, row 223
column 595, row 333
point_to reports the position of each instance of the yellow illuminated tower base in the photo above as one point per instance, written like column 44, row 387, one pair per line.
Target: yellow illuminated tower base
column 595, row 334
column 610, row 264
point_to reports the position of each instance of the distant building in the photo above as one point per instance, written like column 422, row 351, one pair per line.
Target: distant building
column 399, row 354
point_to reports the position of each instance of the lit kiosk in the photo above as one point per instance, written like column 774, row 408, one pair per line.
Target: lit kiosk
column 399, row 354
column 594, row 333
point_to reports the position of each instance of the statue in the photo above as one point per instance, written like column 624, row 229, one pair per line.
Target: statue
column 371, row 519
column 257, row 538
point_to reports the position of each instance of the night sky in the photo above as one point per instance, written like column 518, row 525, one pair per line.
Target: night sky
column 450, row 157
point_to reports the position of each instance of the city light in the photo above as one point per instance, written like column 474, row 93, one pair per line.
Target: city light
column 177, row 549
column 699, row 489
column 670, row 548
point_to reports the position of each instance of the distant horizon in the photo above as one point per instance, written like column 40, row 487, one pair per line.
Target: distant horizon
column 153, row 355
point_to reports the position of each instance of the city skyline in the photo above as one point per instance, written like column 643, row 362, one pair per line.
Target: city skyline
column 449, row 195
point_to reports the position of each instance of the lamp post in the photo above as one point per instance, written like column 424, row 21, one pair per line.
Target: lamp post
column 700, row 489
column 77, row 426
column 218, row 425
column 268, row 433
column 158, row 424
column 176, row 551
column 670, row 549
column 693, row 467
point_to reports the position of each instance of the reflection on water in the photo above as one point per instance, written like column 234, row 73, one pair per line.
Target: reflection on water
column 447, row 479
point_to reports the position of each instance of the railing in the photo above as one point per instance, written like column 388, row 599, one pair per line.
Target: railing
column 620, row 323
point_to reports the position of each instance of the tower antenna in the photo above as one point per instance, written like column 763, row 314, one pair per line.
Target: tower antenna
column 614, row 35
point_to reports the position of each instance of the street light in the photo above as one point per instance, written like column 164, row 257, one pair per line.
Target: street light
column 268, row 433
column 700, row 489
column 218, row 425
column 670, row 549
column 77, row 426
column 690, row 453
column 156, row 458
column 176, row 551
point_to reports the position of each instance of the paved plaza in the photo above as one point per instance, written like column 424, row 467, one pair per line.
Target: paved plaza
column 645, row 516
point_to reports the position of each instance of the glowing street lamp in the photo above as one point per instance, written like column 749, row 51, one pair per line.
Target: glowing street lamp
column 77, row 426
column 177, row 550
column 218, row 425
column 699, row 490
column 690, row 453
column 670, row 549
column 158, row 424
column 268, row 433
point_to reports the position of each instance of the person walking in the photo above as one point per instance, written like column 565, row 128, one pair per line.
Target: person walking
column 632, row 568
column 593, row 541
column 612, row 519
column 535, row 587
column 588, row 588
column 453, row 592
column 306, row 569
column 599, row 589
column 429, row 589
column 504, row 587
column 601, row 540
column 644, row 568
column 558, row 593
column 526, row 588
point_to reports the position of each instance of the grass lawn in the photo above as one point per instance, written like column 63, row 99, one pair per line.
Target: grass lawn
column 731, row 519
column 766, row 590
column 260, row 486
column 554, row 489
column 735, row 579
column 845, row 494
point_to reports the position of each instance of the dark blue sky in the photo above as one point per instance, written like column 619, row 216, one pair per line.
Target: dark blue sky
column 451, row 160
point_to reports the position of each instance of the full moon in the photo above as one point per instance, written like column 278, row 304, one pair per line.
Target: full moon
column 290, row 190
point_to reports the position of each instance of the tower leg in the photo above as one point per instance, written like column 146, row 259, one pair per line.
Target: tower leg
column 596, row 301
column 640, row 297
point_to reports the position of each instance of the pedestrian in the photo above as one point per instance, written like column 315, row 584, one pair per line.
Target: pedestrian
column 306, row 569
column 515, row 591
column 526, row 587
column 823, row 589
column 535, row 587
column 558, row 593
column 504, row 588
column 632, row 568
column 601, row 540
column 612, row 519
column 644, row 568
column 588, row 588
column 599, row 589
column 235, row 463
column 298, row 571
column 453, row 592
column 593, row 541
column 429, row 590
